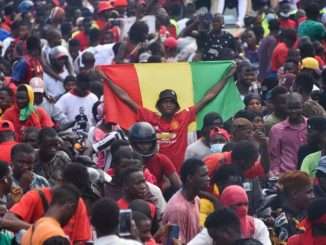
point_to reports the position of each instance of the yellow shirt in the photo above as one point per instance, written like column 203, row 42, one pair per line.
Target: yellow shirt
column 206, row 207
column 42, row 230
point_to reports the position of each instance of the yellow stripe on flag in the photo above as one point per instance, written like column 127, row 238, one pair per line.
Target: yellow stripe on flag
column 153, row 78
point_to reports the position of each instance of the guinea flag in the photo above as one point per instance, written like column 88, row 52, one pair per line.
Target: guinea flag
column 144, row 82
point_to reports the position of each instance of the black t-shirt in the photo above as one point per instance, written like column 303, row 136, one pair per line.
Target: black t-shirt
column 217, row 45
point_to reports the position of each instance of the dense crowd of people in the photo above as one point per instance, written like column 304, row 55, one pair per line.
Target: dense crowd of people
column 69, row 175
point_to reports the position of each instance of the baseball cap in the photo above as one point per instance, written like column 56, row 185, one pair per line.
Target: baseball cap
column 310, row 63
column 6, row 125
column 37, row 85
column 168, row 94
column 322, row 165
column 104, row 5
column 170, row 42
column 58, row 52
column 317, row 123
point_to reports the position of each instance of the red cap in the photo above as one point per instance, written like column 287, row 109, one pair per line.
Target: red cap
column 6, row 125
column 120, row 3
column 104, row 5
column 170, row 42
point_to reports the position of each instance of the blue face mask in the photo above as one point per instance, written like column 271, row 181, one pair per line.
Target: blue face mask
column 217, row 147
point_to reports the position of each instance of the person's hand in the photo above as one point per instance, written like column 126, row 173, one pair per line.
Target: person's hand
column 162, row 232
column 260, row 137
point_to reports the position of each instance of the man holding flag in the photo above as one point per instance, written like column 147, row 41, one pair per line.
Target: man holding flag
column 171, row 125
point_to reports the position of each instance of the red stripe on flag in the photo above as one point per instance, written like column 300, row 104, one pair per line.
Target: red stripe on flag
column 116, row 111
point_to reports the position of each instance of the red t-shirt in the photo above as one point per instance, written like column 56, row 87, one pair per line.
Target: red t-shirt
column 123, row 204
column 288, row 24
column 83, row 40
column 34, row 68
column 5, row 150
column 215, row 160
column 279, row 56
column 30, row 208
column 39, row 119
column 160, row 165
column 172, row 135
column 149, row 177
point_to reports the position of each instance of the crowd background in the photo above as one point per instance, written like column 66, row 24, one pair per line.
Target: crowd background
column 70, row 176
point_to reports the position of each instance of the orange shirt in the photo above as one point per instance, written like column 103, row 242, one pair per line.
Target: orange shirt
column 216, row 160
column 30, row 208
column 41, row 231
column 38, row 119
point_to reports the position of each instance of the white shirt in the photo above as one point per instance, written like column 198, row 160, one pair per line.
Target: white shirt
column 53, row 87
column 5, row 45
column 54, row 111
column 158, row 195
column 70, row 105
column 115, row 240
column 197, row 150
column 103, row 54
column 261, row 234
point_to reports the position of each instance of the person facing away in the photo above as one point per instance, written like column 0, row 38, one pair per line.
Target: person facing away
column 316, row 126
column 310, row 162
column 63, row 205
column 171, row 124
column 320, row 180
column 30, row 64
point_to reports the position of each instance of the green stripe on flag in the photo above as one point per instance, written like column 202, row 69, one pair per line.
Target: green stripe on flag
column 204, row 76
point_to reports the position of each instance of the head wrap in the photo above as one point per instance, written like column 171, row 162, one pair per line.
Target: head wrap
column 25, row 112
column 233, row 195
